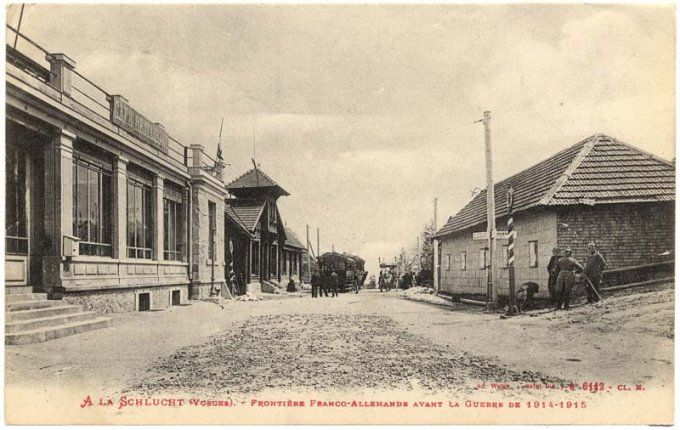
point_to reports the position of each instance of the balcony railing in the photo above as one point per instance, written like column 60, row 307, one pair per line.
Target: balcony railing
column 30, row 57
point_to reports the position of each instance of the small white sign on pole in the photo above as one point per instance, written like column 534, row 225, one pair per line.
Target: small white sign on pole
column 484, row 235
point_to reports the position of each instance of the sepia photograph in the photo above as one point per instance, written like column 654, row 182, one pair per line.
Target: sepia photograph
column 222, row 213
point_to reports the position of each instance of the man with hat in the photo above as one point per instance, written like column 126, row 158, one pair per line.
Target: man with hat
column 566, row 269
column 595, row 264
column 552, row 275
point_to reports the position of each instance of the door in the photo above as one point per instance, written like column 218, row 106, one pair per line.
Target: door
column 17, row 226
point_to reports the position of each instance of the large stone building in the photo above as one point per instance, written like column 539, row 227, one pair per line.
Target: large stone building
column 599, row 190
column 106, row 212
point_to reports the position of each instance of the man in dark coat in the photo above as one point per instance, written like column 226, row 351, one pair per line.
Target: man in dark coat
column 595, row 264
column 552, row 275
column 567, row 267
column 323, row 288
column 316, row 283
column 333, row 282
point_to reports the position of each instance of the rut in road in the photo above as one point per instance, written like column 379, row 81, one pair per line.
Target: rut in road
column 321, row 353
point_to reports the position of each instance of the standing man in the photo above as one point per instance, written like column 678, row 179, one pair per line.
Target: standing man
column 381, row 280
column 316, row 283
column 552, row 275
column 334, row 284
column 567, row 267
column 324, row 284
column 595, row 264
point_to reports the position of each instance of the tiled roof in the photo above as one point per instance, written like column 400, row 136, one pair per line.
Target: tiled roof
column 245, row 212
column 599, row 168
column 231, row 213
column 292, row 240
column 254, row 178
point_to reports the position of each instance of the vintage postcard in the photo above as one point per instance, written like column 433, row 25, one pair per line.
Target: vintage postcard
column 339, row 213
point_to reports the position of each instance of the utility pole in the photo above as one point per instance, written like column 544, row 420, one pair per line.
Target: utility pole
column 491, row 292
column 418, row 248
column 434, row 223
column 309, row 263
column 435, row 253
column 318, row 249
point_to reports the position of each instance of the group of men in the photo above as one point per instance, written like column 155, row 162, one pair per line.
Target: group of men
column 562, row 270
column 321, row 284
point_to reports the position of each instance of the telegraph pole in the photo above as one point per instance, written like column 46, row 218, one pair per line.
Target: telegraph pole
column 491, row 292
column 309, row 264
column 318, row 249
column 434, row 223
column 435, row 253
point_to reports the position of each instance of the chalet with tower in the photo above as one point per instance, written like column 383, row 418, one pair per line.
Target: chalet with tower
column 254, row 226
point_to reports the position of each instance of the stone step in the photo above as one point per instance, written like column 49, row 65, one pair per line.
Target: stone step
column 33, row 304
column 38, row 313
column 49, row 333
column 18, row 290
column 24, row 297
column 51, row 321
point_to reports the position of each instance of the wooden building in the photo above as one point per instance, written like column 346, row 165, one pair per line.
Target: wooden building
column 600, row 190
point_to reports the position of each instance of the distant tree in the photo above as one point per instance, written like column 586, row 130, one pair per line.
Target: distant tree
column 427, row 254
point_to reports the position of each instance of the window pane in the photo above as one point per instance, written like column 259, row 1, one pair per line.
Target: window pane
column 148, row 219
column 139, row 226
column 130, row 216
column 166, row 225
column 12, row 195
column 107, row 211
column 533, row 254
column 81, row 204
column 94, row 206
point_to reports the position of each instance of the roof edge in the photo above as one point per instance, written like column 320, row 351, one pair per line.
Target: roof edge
column 575, row 163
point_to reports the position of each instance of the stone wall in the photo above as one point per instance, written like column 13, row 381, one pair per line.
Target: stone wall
column 204, row 194
column 125, row 299
column 625, row 234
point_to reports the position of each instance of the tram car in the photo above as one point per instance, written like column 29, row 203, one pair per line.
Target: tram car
column 350, row 269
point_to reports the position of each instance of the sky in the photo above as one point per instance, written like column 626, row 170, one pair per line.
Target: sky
column 366, row 113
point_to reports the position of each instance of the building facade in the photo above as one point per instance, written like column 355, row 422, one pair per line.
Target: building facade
column 599, row 190
column 103, row 207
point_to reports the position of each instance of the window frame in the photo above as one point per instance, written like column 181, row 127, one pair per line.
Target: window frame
column 17, row 242
column 505, row 257
column 147, row 219
column 483, row 258
column 535, row 253
column 463, row 260
column 93, row 243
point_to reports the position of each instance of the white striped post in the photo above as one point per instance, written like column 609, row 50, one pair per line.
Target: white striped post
column 512, row 306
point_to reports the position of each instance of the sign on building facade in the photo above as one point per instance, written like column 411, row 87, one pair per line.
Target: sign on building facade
column 123, row 115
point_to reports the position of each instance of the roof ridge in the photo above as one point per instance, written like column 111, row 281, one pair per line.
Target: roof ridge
column 588, row 146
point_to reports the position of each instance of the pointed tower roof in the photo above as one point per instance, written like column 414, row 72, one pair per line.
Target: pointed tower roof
column 255, row 182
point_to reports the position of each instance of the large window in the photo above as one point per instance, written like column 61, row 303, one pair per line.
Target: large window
column 92, row 206
column 173, row 216
column 172, row 213
column 533, row 253
column 16, row 220
column 139, row 218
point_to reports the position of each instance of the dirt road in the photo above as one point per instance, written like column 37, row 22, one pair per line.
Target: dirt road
column 368, row 341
